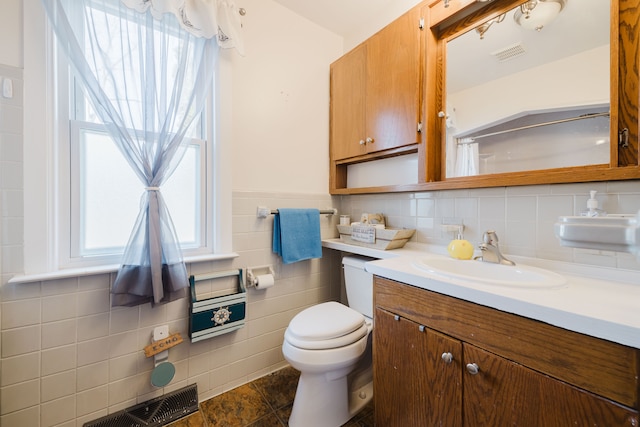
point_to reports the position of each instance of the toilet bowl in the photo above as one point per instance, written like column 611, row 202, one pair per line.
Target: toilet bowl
column 329, row 344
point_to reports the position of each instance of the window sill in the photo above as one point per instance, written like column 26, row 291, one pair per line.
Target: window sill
column 104, row 269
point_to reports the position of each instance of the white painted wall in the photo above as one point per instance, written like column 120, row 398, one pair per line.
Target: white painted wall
column 280, row 120
column 11, row 33
column 387, row 12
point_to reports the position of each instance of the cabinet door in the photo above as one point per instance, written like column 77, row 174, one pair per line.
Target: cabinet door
column 347, row 105
column 503, row 393
column 413, row 385
column 393, row 84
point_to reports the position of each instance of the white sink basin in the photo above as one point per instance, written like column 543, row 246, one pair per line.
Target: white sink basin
column 518, row 276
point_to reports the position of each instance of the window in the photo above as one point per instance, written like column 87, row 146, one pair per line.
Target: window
column 103, row 191
column 66, row 184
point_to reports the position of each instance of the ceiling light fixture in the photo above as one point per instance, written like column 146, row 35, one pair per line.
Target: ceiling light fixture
column 535, row 14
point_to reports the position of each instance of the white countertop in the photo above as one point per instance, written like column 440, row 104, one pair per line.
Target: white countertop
column 598, row 301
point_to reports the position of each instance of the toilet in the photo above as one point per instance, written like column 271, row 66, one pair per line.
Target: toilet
column 330, row 345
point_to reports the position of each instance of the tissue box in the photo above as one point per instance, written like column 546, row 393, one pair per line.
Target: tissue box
column 375, row 238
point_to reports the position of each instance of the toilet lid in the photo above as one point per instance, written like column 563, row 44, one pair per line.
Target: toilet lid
column 326, row 325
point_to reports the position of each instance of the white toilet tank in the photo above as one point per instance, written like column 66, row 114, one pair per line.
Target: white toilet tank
column 358, row 284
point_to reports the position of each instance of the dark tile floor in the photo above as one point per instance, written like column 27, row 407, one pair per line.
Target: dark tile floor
column 265, row 402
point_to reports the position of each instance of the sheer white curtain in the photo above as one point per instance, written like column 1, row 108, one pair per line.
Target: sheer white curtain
column 147, row 78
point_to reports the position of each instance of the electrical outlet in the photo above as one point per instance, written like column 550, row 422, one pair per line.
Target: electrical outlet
column 7, row 88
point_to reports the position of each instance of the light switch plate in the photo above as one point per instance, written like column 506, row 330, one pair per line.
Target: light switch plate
column 7, row 88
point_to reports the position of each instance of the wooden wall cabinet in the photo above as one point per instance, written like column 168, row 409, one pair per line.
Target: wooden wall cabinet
column 443, row 361
column 375, row 96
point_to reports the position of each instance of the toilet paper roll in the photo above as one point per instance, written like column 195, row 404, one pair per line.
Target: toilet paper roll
column 264, row 281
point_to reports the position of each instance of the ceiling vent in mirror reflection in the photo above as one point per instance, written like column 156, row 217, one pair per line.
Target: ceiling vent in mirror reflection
column 509, row 52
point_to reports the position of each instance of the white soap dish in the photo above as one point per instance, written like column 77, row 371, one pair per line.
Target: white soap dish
column 620, row 233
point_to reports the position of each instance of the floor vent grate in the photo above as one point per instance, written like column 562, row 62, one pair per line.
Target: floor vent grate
column 154, row 412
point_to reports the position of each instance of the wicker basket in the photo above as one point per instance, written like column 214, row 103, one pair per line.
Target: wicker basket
column 388, row 238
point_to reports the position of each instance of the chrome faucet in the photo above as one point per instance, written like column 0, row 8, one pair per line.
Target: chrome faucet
column 491, row 250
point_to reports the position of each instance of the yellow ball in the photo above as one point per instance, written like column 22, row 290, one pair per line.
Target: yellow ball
column 460, row 249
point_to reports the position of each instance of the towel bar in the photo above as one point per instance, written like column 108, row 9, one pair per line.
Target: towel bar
column 263, row 211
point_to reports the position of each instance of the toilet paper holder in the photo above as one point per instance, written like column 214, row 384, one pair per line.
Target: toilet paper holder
column 254, row 272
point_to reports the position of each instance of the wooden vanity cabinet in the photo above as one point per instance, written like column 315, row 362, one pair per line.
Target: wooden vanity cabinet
column 375, row 94
column 503, row 369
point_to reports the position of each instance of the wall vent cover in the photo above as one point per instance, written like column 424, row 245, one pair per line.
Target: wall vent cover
column 154, row 412
column 509, row 52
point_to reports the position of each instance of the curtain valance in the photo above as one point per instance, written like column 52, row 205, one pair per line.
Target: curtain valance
column 202, row 18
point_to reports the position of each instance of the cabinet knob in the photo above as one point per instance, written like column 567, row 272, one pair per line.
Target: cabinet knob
column 441, row 114
column 446, row 3
column 472, row 368
column 447, row 358
column 362, row 142
column 369, row 140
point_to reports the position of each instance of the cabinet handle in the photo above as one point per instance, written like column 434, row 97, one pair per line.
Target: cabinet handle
column 369, row 140
column 472, row 368
column 362, row 142
column 447, row 358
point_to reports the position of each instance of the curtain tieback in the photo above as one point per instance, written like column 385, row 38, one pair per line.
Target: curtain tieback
column 152, row 188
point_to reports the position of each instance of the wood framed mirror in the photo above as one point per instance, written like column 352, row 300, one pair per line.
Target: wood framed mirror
column 585, row 128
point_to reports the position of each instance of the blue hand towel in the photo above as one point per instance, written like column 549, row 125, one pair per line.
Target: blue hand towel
column 296, row 234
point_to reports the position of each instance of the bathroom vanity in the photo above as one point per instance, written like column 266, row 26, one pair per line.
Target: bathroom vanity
column 440, row 360
column 454, row 350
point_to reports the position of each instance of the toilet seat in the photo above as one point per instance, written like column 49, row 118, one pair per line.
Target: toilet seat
column 325, row 326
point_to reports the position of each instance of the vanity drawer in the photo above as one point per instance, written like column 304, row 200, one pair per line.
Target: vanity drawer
column 602, row 367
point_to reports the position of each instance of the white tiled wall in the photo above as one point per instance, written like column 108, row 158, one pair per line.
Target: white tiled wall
column 523, row 217
column 67, row 357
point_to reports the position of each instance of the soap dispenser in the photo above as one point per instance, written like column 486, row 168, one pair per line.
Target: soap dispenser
column 460, row 248
column 592, row 209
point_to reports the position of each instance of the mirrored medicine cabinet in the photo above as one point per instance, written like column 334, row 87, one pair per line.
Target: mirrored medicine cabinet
column 526, row 96
column 532, row 92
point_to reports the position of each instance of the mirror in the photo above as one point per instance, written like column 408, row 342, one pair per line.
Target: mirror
column 532, row 95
